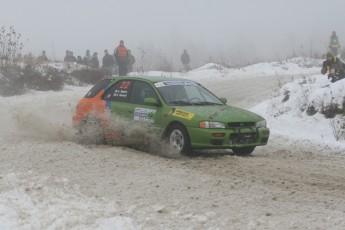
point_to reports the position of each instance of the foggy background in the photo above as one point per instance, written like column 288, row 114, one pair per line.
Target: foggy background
column 222, row 31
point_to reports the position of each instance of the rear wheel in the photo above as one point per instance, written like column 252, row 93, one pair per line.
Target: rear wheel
column 243, row 150
column 91, row 131
column 179, row 139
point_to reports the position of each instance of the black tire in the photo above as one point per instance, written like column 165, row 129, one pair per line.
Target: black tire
column 243, row 151
column 179, row 140
column 91, row 131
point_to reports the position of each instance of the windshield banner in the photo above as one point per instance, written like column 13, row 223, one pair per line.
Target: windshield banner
column 172, row 83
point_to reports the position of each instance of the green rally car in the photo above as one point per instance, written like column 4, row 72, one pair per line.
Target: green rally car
column 188, row 115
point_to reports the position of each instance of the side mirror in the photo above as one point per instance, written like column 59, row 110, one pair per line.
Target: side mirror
column 223, row 99
column 151, row 101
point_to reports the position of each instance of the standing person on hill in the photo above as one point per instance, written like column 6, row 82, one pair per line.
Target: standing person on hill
column 69, row 57
column 80, row 60
column 121, row 58
column 108, row 63
column 42, row 58
column 116, row 67
column 131, row 61
column 87, row 58
column 185, row 59
column 95, row 61
column 334, row 44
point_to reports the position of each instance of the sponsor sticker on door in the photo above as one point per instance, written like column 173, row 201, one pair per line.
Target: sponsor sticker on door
column 146, row 115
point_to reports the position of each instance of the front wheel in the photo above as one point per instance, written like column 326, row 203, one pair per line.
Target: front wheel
column 243, row 150
column 179, row 139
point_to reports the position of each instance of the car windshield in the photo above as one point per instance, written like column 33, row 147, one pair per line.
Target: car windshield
column 185, row 93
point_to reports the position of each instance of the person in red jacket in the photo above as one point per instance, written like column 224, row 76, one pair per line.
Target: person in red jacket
column 121, row 58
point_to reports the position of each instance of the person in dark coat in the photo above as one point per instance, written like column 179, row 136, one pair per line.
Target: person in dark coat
column 334, row 67
column 42, row 58
column 108, row 63
column 87, row 58
column 185, row 59
column 80, row 60
column 121, row 58
column 334, row 44
column 69, row 57
column 131, row 61
column 95, row 61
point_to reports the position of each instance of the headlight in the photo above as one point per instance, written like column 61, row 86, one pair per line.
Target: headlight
column 260, row 124
column 211, row 125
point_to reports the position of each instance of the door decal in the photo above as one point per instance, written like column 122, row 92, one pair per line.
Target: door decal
column 146, row 115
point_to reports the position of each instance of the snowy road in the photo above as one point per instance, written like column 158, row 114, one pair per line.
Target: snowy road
column 48, row 180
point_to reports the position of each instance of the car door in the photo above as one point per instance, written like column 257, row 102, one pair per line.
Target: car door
column 141, row 111
column 117, row 97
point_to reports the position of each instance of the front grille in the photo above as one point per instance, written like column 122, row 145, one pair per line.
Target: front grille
column 241, row 124
column 217, row 142
column 243, row 138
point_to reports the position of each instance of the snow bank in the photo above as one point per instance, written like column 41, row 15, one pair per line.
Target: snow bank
column 308, row 109
column 295, row 66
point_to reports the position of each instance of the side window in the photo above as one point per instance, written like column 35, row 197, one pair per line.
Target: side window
column 119, row 91
column 102, row 84
column 140, row 91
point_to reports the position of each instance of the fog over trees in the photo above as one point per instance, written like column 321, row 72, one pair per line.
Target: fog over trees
column 224, row 31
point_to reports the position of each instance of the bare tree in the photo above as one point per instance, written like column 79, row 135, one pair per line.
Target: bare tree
column 10, row 44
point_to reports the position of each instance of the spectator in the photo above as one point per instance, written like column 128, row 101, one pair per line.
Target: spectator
column 185, row 59
column 108, row 63
column 121, row 58
column 69, row 57
column 80, row 60
column 87, row 58
column 131, row 61
column 42, row 58
column 95, row 61
column 116, row 67
column 334, row 44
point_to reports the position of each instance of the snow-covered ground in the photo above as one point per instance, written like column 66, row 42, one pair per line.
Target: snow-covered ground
column 44, row 183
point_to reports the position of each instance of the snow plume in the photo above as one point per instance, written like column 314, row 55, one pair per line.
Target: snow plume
column 39, row 115
column 33, row 125
column 127, row 133
column 46, row 121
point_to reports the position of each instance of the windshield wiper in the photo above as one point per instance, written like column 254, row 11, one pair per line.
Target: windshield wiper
column 180, row 103
column 206, row 103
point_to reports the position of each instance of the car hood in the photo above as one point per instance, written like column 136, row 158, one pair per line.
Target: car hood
column 222, row 113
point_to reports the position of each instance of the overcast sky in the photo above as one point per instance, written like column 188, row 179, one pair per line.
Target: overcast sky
column 266, row 28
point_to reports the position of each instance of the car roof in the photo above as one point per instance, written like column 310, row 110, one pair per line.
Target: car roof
column 153, row 79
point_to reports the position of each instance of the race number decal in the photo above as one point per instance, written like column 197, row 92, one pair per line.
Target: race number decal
column 146, row 115
column 182, row 114
column 125, row 84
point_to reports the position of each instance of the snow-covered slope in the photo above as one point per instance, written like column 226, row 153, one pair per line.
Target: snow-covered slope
column 308, row 109
column 295, row 66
